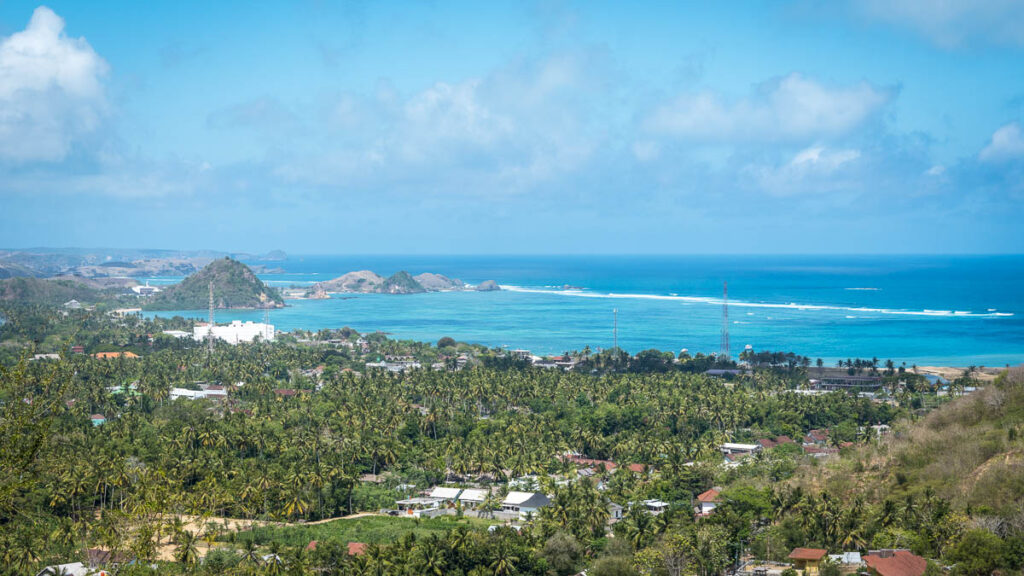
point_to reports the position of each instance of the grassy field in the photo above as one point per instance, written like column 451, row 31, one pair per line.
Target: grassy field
column 368, row 529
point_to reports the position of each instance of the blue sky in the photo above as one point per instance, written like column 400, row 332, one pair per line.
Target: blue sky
column 801, row 126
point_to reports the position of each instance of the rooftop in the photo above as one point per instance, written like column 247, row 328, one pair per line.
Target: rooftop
column 896, row 563
column 807, row 554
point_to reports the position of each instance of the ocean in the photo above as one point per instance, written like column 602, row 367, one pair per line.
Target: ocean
column 925, row 310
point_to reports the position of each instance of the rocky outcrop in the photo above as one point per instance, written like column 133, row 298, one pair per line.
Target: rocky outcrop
column 488, row 286
column 438, row 282
column 361, row 282
column 367, row 282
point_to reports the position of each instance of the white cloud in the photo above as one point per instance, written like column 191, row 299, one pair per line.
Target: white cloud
column 813, row 169
column 789, row 108
column 521, row 126
column 1007, row 144
column 51, row 91
column 952, row 22
column 935, row 171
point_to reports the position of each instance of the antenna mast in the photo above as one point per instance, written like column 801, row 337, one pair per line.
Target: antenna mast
column 209, row 334
column 725, row 320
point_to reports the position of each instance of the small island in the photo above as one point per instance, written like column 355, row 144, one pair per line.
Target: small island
column 401, row 282
column 234, row 286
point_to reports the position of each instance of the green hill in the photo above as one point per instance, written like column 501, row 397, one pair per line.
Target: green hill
column 401, row 283
column 48, row 291
column 234, row 286
column 969, row 452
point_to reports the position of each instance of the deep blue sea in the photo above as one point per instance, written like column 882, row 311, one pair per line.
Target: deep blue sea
column 951, row 310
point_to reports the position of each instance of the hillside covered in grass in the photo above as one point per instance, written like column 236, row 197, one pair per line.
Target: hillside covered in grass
column 53, row 292
column 969, row 452
column 234, row 286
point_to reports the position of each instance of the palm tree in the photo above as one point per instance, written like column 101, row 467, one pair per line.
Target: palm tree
column 504, row 562
column 187, row 552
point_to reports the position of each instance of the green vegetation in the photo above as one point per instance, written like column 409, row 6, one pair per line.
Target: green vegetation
column 52, row 292
column 265, row 454
column 367, row 529
column 401, row 283
column 234, row 286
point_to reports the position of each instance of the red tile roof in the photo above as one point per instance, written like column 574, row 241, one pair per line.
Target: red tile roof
column 900, row 563
column 709, row 496
column 637, row 468
column 807, row 554
column 783, row 440
column 356, row 548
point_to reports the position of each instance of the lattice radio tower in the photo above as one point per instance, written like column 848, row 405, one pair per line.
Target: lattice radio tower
column 725, row 320
column 209, row 335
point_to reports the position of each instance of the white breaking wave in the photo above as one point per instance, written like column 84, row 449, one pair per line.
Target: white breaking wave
column 743, row 304
column 864, row 289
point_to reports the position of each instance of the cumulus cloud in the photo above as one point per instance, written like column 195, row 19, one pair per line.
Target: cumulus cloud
column 520, row 126
column 952, row 22
column 1007, row 144
column 812, row 169
column 51, row 91
column 788, row 108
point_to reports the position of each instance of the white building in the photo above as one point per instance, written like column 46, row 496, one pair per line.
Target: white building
column 733, row 448
column 145, row 290
column 236, row 332
column 524, row 502
column 473, row 497
column 212, row 392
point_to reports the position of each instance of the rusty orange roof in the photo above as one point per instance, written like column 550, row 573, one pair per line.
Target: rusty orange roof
column 900, row 563
column 356, row 548
column 709, row 496
column 807, row 554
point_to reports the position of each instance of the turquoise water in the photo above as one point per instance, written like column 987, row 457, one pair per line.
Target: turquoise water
column 918, row 309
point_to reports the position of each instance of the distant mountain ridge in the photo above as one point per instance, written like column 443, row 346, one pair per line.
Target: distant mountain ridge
column 401, row 282
column 115, row 262
column 234, row 286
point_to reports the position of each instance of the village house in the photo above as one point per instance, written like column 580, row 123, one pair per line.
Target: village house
column 98, row 419
column 895, row 563
column 445, row 495
column 419, row 507
column 73, row 569
column 473, row 497
column 524, row 503
column 826, row 378
column 655, row 507
column 807, row 561
column 614, row 512
column 848, row 562
column 734, row 448
column 707, row 501
column 816, row 437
